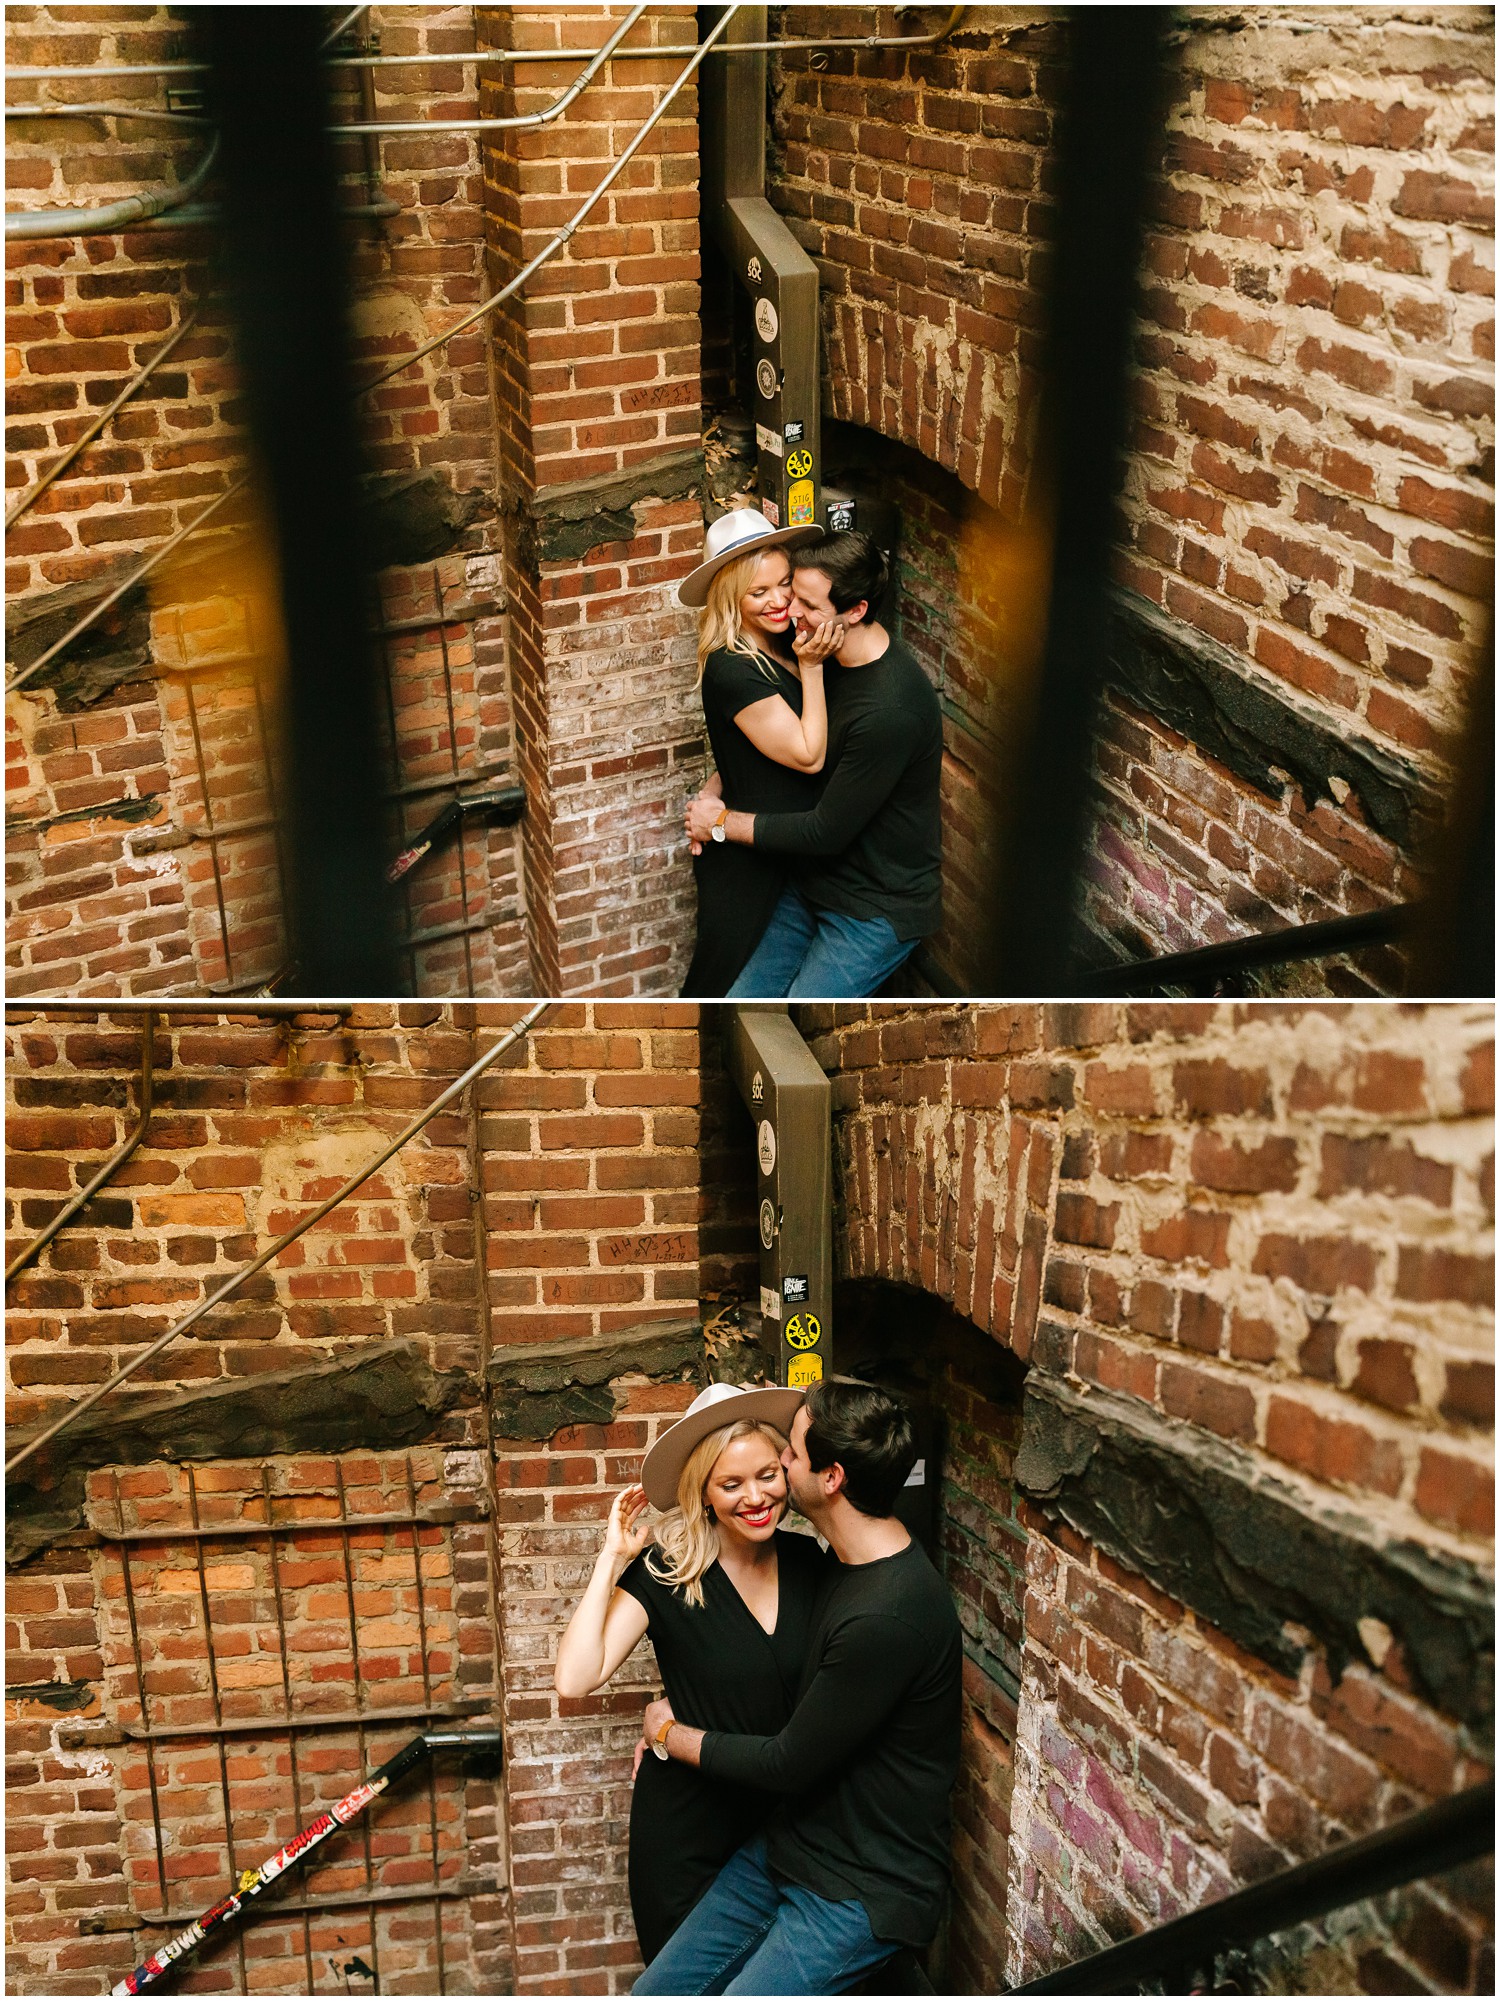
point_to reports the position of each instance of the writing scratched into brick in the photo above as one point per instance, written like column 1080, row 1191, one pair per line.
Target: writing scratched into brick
column 674, row 1247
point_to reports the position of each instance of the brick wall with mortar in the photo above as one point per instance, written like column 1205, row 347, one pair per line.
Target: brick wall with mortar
column 1308, row 483
column 113, row 881
column 589, row 1191
column 597, row 380
column 1273, row 1228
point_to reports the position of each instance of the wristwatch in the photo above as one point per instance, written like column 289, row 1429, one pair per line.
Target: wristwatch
column 720, row 824
column 659, row 1741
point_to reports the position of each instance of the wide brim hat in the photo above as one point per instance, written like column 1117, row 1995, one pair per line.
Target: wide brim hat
column 734, row 535
column 710, row 1410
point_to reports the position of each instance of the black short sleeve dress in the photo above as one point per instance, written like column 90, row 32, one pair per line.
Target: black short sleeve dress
column 738, row 886
column 721, row 1670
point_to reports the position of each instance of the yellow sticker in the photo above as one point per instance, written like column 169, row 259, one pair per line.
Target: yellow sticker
column 804, row 1369
column 804, row 1330
column 799, row 503
column 799, row 464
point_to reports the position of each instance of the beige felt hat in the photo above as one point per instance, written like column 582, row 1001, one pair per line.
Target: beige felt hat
column 718, row 1405
column 736, row 534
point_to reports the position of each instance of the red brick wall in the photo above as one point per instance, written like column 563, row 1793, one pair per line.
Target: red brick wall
column 1273, row 1227
column 590, row 1200
column 114, row 887
column 1311, row 479
column 597, row 378
column 1308, row 481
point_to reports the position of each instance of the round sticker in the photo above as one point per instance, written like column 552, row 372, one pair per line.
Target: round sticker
column 799, row 464
column 767, row 1223
column 765, row 1146
column 765, row 377
column 804, row 1330
column 765, row 319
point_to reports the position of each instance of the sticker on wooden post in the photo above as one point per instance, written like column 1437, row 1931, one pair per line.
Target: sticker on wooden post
column 804, row 1370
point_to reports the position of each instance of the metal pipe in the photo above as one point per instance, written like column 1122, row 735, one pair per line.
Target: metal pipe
column 440, row 340
column 121, row 590
column 105, row 111
column 526, row 119
column 233, row 1283
column 551, row 249
column 33, row 493
column 174, row 1004
column 70, row 72
column 116, row 1161
column 1202, row 964
column 32, row 225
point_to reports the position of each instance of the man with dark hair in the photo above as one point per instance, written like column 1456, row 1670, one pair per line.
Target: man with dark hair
column 868, row 856
column 856, row 1866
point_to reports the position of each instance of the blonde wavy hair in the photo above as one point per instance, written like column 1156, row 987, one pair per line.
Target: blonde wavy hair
column 686, row 1539
column 719, row 620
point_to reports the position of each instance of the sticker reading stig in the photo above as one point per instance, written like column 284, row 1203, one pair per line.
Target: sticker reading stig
column 804, row 1330
column 803, row 1370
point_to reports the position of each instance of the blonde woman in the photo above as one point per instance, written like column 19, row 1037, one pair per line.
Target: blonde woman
column 728, row 1604
column 762, row 688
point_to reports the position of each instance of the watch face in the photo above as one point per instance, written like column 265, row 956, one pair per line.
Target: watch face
column 719, row 834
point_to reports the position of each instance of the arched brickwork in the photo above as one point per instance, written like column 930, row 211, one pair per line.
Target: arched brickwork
column 1264, row 1236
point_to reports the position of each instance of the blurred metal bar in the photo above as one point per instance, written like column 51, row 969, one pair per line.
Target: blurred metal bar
column 287, row 270
column 1453, row 952
column 1110, row 118
column 1390, row 925
column 111, row 1167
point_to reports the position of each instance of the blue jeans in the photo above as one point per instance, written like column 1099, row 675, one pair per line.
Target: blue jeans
column 807, row 954
column 754, row 1934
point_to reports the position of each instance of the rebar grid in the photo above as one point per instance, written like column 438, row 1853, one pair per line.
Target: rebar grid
column 397, row 1526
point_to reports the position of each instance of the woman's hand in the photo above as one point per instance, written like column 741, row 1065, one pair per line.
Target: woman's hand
column 812, row 644
column 626, row 1534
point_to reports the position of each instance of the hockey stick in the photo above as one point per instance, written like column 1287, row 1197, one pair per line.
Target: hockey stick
column 505, row 802
column 253, row 1881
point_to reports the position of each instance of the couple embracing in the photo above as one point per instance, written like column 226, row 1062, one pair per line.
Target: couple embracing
column 790, row 1822
column 817, row 840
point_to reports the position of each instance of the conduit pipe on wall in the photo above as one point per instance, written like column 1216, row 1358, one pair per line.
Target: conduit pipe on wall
column 72, row 72
column 237, row 1279
column 480, row 312
column 33, row 225
column 36, row 224
column 33, row 493
column 111, row 1167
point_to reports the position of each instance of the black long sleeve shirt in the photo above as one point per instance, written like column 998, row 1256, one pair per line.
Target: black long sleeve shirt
column 869, row 1758
column 872, row 846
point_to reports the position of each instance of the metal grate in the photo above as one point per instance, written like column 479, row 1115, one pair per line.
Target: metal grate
column 266, row 1646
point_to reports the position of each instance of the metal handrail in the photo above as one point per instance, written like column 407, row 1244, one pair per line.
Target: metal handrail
column 1318, row 940
column 236, row 1279
column 31, row 1251
column 1440, row 1837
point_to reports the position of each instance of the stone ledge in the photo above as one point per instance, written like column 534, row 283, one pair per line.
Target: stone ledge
column 1208, row 694
column 385, row 1395
column 537, row 1389
column 1213, row 1528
